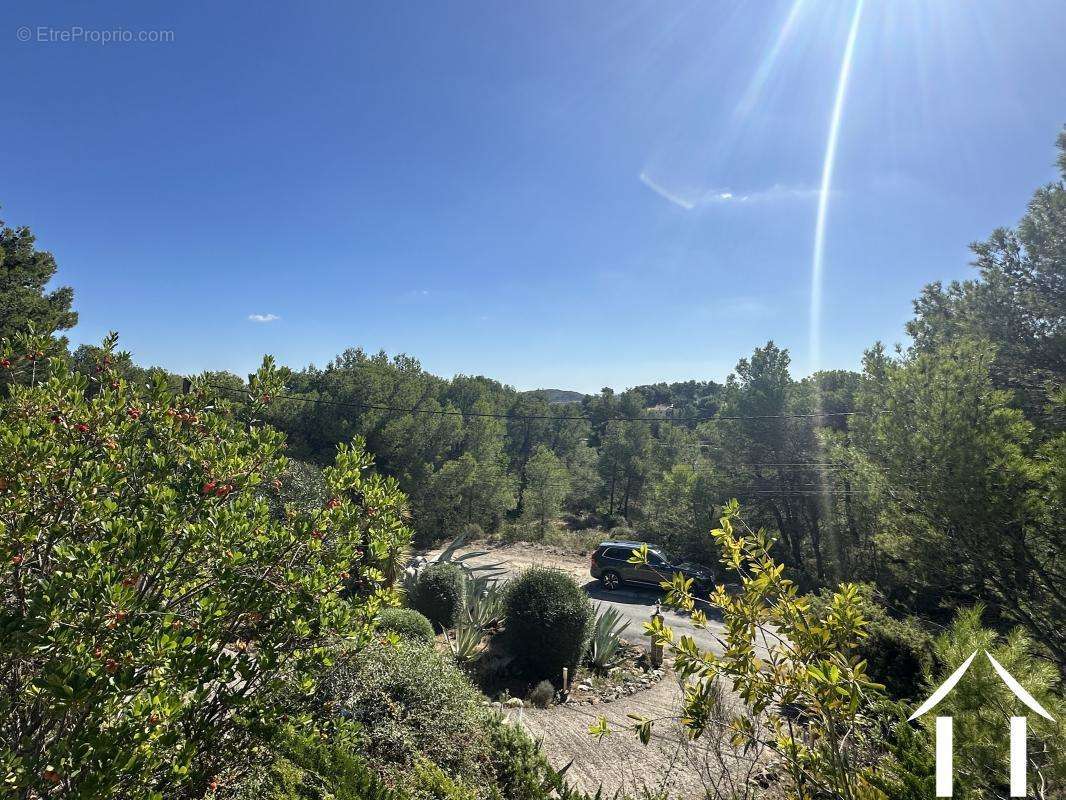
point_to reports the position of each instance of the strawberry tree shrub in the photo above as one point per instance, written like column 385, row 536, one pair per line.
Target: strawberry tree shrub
column 151, row 606
column 549, row 620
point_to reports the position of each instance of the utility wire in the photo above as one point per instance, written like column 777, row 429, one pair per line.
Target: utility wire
column 530, row 417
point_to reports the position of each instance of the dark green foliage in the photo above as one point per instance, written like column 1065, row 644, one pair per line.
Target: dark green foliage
column 549, row 620
column 898, row 652
column 160, row 617
column 406, row 622
column 306, row 767
column 521, row 770
column 24, row 273
column 908, row 771
column 438, row 593
column 407, row 701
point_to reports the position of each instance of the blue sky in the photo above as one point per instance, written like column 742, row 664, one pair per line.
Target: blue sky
column 568, row 194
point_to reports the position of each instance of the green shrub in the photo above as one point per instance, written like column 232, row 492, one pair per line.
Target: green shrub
column 306, row 767
column 438, row 593
column 908, row 771
column 549, row 619
column 542, row 695
column 408, row 701
column 897, row 651
column 154, row 618
column 430, row 782
column 520, row 768
column 406, row 622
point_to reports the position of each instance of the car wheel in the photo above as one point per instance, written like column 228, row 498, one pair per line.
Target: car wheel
column 610, row 580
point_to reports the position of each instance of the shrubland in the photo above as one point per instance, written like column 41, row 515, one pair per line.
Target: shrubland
column 153, row 603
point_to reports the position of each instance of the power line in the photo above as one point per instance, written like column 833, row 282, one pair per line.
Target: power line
column 542, row 417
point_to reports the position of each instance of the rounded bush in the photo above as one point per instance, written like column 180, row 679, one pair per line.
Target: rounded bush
column 408, row 701
column 438, row 593
column 549, row 620
column 406, row 622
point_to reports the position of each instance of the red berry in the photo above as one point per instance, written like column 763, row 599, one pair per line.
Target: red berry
column 333, row 503
column 81, row 427
column 5, row 363
column 111, row 666
column 209, row 487
column 316, row 534
column 16, row 560
column 50, row 775
column 135, row 413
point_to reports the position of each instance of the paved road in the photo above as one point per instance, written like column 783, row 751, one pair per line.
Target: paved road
column 637, row 604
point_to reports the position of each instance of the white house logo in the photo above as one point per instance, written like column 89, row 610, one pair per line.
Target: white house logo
column 1018, row 754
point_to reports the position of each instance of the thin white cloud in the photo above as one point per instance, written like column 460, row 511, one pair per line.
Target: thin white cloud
column 263, row 317
column 691, row 200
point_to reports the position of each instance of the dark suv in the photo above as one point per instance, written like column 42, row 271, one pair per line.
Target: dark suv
column 610, row 564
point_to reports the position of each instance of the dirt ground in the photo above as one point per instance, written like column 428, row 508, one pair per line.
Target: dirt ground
column 517, row 556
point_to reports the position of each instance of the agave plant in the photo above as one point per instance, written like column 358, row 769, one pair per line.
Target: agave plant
column 448, row 554
column 465, row 643
column 483, row 601
column 603, row 646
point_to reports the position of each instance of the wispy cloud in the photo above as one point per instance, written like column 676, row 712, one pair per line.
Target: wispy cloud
column 689, row 200
column 666, row 194
column 263, row 317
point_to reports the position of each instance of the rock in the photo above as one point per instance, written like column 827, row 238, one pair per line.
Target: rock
column 497, row 705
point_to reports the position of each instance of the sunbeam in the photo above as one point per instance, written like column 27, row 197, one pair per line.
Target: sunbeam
column 818, row 259
column 766, row 66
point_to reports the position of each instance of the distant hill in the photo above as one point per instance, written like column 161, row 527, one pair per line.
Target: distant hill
column 558, row 396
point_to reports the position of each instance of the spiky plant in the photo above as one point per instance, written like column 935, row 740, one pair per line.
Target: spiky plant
column 603, row 646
